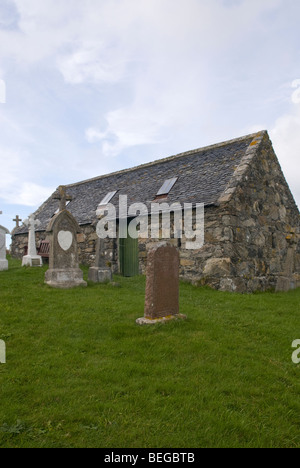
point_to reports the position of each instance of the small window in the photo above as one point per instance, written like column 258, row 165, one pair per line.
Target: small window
column 167, row 186
column 107, row 198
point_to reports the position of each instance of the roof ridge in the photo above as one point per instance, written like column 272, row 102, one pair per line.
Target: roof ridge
column 243, row 166
column 170, row 158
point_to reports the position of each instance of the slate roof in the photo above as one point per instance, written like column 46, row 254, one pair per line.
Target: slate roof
column 203, row 176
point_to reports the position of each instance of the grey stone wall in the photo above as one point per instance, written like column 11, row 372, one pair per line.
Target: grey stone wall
column 252, row 238
column 20, row 242
column 264, row 221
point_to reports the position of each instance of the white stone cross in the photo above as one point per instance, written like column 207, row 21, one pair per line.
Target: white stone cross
column 3, row 261
column 32, row 224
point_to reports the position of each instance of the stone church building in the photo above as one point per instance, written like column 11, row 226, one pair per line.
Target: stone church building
column 252, row 223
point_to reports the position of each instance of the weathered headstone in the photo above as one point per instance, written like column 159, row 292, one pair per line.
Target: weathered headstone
column 286, row 280
column 32, row 259
column 64, row 271
column 3, row 261
column 162, row 285
column 100, row 273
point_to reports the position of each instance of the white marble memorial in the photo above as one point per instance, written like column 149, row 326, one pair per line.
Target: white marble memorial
column 32, row 259
column 3, row 261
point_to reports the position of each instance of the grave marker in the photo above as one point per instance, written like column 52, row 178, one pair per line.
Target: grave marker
column 32, row 259
column 3, row 261
column 64, row 271
column 100, row 273
column 17, row 220
column 162, row 285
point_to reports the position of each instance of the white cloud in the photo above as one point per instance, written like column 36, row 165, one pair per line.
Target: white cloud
column 93, row 135
column 27, row 194
column 153, row 72
column 296, row 94
column 127, row 127
column 286, row 139
column 2, row 91
column 94, row 41
column 8, row 15
column 16, row 187
column 31, row 194
column 172, row 52
column 10, row 162
column 91, row 63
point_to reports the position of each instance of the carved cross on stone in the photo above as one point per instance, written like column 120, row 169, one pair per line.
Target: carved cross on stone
column 32, row 224
column 62, row 197
column 17, row 221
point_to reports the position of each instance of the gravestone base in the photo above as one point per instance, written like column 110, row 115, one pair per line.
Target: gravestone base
column 153, row 321
column 285, row 284
column 3, row 265
column 100, row 275
column 65, row 278
column 32, row 261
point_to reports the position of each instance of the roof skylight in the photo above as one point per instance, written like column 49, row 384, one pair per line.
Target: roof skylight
column 167, row 186
column 107, row 198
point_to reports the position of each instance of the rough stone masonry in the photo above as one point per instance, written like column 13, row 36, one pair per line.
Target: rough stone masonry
column 252, row 223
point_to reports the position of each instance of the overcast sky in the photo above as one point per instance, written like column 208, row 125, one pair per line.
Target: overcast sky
column 88, row 87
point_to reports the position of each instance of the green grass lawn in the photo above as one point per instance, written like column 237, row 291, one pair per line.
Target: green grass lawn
column 81, row 373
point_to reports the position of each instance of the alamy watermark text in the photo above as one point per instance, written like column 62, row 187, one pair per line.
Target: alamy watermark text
column 296, row 354
column 188, row 222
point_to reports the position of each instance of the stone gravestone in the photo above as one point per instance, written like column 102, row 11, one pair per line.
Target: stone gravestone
column 287, row 281
column 32, row 259
column 162, row 285
column 100, row 273
column 3, row 261
column 64, row 271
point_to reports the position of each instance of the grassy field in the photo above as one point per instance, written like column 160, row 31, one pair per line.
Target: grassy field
column 81, row 373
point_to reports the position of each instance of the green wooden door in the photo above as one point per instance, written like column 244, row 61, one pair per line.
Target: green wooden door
column 129, row 256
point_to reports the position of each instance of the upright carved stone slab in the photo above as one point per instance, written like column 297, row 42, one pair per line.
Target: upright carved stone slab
column 100, row 273
column 3, row 261
column 162, row 285
column 32, row 259
column 64, row 271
